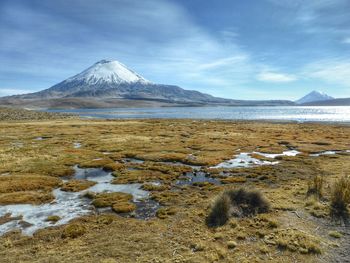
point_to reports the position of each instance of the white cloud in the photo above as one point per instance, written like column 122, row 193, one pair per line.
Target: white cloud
column 7, row 91
column 275, row 77
column 222, row 62
column 333, row 71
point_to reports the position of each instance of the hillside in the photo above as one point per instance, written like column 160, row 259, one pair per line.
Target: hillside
column 333, row 102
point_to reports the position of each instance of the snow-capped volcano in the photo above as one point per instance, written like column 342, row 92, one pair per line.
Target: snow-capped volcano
column 106, row 71
column 314, row 96
column 113, row 80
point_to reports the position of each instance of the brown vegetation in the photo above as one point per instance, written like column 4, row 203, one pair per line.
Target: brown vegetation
column 238, row 202
column 179, row 232
column 76, row 185
column 340, row 198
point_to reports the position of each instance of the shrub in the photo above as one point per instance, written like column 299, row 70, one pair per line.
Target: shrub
column 248, row 202
column 340, row 198
column 220, row 211
column 240, row 202
column 315, row 187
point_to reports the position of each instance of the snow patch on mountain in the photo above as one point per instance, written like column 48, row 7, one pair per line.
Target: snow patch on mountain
column 111, row 72
column 314, row 96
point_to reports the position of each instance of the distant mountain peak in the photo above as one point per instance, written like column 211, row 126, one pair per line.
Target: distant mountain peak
column 108, row 72
column 313, row 96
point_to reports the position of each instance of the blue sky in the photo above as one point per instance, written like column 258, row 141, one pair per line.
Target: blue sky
column 254, row 49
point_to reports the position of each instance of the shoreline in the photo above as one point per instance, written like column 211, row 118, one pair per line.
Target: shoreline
column 267, row 121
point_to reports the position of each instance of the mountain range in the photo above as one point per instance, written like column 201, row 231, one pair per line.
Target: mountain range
column 111, row 84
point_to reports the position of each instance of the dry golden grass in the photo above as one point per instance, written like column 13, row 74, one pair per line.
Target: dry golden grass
column 123, row 207
column 76, row 185
column 26, row 197
column 179, row 232
column 110, row 199
column 16, row 183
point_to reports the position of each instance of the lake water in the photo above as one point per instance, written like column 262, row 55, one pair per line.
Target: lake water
column 285, row 113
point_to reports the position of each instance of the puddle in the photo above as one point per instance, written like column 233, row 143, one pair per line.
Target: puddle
column 103, row 180
column 76, row 145
column 145, row 209
column 324, row 153
column 243, row 160
column 69, row 205
column 197, row 177
column 274, row 155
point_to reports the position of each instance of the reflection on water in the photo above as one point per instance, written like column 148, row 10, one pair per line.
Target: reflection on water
column 274, row 155
column 194, row 177
column 243, row 160
column 281, row 113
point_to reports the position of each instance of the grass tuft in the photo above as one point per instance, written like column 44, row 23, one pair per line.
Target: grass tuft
column 315, row 187
column 240, row 202
column 340, row 198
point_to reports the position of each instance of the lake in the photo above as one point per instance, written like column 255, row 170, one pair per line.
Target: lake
column 283, row 113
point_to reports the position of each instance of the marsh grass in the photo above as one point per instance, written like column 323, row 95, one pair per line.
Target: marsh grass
column 211, row 142
column 76, row 185
column 340, row 198
column 315, row 187
column 238, row 202
column 110, row 199
column 73, row 230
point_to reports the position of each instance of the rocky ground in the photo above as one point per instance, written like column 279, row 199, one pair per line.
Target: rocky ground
column 39, row 156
